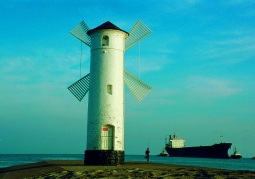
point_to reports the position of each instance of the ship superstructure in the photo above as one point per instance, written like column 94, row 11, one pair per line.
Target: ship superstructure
column 175, row 142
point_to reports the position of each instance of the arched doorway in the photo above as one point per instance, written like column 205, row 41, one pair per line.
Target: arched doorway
column 107, row 137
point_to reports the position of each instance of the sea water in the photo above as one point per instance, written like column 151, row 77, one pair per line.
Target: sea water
column 7, row 160
column 230, row 164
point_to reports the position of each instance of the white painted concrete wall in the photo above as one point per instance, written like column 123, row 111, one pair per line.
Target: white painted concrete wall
column 106, row 68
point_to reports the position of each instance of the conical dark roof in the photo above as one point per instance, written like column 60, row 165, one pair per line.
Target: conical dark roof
column 106, row 25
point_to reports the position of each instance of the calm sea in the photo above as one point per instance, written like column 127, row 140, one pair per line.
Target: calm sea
column 7, row 160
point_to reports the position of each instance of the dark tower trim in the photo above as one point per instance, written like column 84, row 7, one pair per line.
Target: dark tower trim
column 104, row 157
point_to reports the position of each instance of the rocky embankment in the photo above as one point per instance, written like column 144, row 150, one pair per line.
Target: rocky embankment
column 75, row 169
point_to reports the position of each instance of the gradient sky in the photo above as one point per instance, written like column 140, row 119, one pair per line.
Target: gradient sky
column 199, row 60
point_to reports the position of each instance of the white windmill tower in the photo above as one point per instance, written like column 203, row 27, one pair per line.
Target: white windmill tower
column 105, row 83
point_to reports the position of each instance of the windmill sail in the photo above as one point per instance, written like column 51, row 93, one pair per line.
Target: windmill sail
column 80, row 88
column 80, row 32
column 137, row 33
column 138, row 88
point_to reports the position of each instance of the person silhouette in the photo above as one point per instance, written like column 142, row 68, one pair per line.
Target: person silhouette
column 147, row 154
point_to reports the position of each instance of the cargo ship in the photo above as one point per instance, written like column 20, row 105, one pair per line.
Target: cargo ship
column 176, row 148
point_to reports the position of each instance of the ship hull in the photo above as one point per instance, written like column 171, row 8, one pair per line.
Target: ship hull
column 235, row 156
column 213, row 151
column 162, row 155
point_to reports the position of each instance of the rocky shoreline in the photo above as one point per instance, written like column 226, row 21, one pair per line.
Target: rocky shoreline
column 76, row 169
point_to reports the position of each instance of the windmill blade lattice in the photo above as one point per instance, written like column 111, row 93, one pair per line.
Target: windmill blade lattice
column 138, row 88
column 137, row 33
column 80, row 88
column 80, row 32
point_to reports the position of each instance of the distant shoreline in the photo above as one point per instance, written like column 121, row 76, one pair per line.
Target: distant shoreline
column 75, row 168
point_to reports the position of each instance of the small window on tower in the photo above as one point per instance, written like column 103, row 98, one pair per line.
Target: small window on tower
column 109, row 89
column 105, row 40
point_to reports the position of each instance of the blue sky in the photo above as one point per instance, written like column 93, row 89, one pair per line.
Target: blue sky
column 199, row 60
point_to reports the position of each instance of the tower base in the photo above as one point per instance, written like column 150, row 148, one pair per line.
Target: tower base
column 104, row 157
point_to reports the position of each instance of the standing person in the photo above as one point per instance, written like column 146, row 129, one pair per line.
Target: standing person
column 147, row 153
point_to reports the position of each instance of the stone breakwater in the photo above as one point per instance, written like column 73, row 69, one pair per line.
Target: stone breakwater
column 75, row 169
